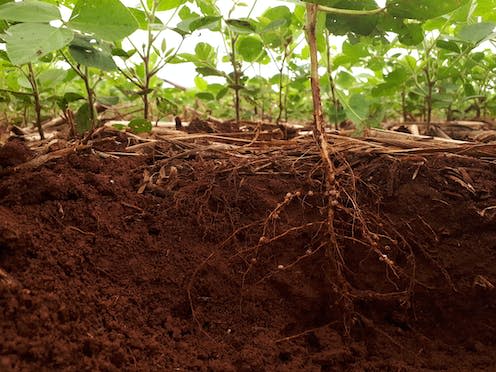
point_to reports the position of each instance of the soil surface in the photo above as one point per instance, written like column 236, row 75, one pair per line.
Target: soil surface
column 201, row 274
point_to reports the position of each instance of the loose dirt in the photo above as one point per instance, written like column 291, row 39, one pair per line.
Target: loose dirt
column 216, row 269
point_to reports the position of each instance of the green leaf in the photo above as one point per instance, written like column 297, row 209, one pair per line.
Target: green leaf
column 448, row 45
column 205, row 96
column 216, row 89
column 169, row 4
column 340, row 24
column 200, row 83
column 91, row 53
column 411, row 34
column 477, row 32
column 142, row 19
column 51, row 77
column 119, row 52
column 63, row 102
column 422, row 9
column 222, row 93
column 356, row 51
column 356, row 107
column 24, row 82
column 73, row 97
column 274, row 25
column 3, row 26
column 376, row 64
column 249, row 47
column 384, row 89
column 273, row 19
column 448, row 72
column 241, row 26
column 26, row 42
column 345, row 80
column 206, row 53
column 208, row 7
column 108, row 100
column 411, row 63
column 166, row 106
column 336, row 115
column 485, row 9
column 278, row 13
column 29, row 11
column 4, row 56
column 208, row 22
column 83, row 120
column 209, row 71
column 397, row 76
column 469, row 89
column 106, row 19
column 139, row 125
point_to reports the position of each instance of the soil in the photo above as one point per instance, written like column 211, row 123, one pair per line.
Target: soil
column 201, row 276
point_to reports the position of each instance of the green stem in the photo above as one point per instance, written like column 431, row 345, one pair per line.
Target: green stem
column 15, row 92
column 91, row 101
column 281, row 87
column 350, row 11
column 252, row 9
column 37, row 101
column 236, row 76
column 332, row 85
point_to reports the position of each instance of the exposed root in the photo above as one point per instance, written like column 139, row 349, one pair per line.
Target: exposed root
column 329, row 214
column 302, row 334
column 190, row 297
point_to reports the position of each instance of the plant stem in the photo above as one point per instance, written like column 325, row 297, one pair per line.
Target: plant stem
column 428, row 99
column 403, row 105
column 286, row 96
column 37, row 102
column 89, row 92
column 146, row 89
column 281, row 87
column 319, row 130
column 334, row 253
column 146, row 77
column 15, row 92
column 85, row 76
column 146, row 62
column 332, row 85
column 236, row 75
column 252, row 9
column 351, row 12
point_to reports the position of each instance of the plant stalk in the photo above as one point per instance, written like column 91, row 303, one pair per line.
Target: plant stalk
column 89, row 93
column 333, row 252
column 281, row 85
column 146, row 62
column 351, row 12
column 37, row 101
column 146, row 89
column 428, row 99
column 237, row 82
column 332, row 84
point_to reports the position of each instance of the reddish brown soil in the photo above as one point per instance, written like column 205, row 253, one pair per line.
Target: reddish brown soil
column 115, row 280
